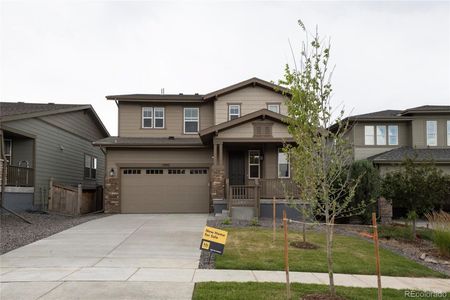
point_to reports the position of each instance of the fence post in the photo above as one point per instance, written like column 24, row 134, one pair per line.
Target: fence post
column 50, row 194
column 377, row 254
column 274, row 211
column 286, row 255
column 79, row 197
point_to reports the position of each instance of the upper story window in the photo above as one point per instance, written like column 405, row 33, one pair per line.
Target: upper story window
column 381, row 135
column 283, row 164
column 393, row 135
column 234, row 111
column 431, row 133
column 90, row 166
column 448, row 133
column 274, row 107
column 153, row 117
column 369, row 135
column 191, row 120
column 253, row 164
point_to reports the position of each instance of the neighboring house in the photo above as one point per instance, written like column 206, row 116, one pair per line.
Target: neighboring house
column 195, row 153
column 387, row 137
column 44, row 141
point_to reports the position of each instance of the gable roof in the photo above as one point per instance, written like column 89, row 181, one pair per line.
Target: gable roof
column 427, row 109
column 206, row 133
column 187, row 98
column 438, row 155
column 11, row 111
column 249, row 82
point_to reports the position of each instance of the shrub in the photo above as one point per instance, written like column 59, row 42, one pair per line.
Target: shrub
column 254, row 222
column 440, row 222
column 226, row 221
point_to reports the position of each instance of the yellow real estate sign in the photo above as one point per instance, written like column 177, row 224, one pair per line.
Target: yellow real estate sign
column 213, row 240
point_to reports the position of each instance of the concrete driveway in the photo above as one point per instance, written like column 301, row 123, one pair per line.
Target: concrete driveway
column 116, row 257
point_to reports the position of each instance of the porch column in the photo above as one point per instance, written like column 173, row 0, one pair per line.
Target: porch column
column 220, row 154
column 218, row 179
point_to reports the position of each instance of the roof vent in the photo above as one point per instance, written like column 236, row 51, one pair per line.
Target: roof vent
column 171, row 137
column 181, row 94
column 51, row 103
column 196, row 94
column 162, row 91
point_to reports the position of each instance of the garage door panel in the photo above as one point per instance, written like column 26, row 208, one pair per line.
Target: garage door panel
column 168, row 192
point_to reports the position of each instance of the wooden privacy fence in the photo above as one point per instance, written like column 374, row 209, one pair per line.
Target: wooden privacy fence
column 71, row 200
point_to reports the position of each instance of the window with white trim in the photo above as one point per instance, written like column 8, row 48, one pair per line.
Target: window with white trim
column 254, row 164
column 393, row 135
column 234, row 111
column 448, row 133
column 90, row 166
column 191, row 120
column 274, row 107
column 153, row 117
column 159, row 117
column 381, row 135
column 431, row 133
column 283, row 164
column 369, row 135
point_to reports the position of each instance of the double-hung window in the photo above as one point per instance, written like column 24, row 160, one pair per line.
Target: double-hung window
column 369, row 135
column 381, row 135
column 393, row 135
column 448, row 133
column 431, row 133
column 191, row 120
column 253, row 164
column 274, row 107
column 90, row 166
column 234, row 111
column 283, row 164
column 153, row 117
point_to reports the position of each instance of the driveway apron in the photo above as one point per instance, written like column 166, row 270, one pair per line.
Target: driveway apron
column 116, row 257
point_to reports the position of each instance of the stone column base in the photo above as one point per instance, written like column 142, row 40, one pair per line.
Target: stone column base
column 385, row 210
column 111, row 195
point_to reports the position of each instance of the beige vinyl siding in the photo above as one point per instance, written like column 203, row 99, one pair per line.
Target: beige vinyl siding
column 130, row 119
column 65, row 166
column 81, row 123
column 158, row 157
column 246, row 131
column 419, row 130
column 250, row 98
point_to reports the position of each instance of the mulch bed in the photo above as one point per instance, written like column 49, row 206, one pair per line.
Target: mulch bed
column 303, row 245
column 16, row 233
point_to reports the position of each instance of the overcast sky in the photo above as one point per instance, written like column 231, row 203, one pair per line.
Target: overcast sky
column 387, row 54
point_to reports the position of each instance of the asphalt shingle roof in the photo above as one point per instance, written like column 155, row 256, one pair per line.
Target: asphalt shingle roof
column 138, row 141
column 19, row 108
column 425, row 154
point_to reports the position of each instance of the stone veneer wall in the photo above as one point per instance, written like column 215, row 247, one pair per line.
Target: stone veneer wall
column 217, row 184
column 112, row 195
column 385, row 210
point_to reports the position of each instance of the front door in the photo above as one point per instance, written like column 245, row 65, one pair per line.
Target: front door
column 236, row 168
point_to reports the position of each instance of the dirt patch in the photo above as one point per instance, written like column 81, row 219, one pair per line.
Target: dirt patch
column 16, row 233
column 303, row 245
column 321, row 297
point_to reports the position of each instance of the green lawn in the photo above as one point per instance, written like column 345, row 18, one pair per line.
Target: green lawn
column 252, row 249
column 265, row 290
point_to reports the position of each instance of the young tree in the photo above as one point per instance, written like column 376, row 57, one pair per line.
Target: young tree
column 321, row 156
column 417, row 186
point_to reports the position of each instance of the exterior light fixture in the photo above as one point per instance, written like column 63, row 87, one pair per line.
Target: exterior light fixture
column 112, row 173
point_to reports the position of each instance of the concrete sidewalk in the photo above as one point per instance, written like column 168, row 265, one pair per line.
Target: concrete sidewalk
column 169, row 283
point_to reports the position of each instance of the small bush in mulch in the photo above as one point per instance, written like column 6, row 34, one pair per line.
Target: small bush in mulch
column 321, row 297
column 303, row 245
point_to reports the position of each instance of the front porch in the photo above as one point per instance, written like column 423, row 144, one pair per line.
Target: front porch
column 247, row 176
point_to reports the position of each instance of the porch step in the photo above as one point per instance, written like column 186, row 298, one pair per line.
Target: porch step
column 243, row 213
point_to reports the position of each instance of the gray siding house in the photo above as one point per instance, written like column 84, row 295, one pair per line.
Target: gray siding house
column 387, row 137
column 43, row 141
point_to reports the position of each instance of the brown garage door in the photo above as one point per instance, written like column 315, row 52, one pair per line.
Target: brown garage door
column 174, row 190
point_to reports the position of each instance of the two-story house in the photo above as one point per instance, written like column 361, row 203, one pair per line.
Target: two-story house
column 197, row 153
column 387, row 137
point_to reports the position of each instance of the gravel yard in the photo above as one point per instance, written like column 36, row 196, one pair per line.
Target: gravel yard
column 15, row 233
